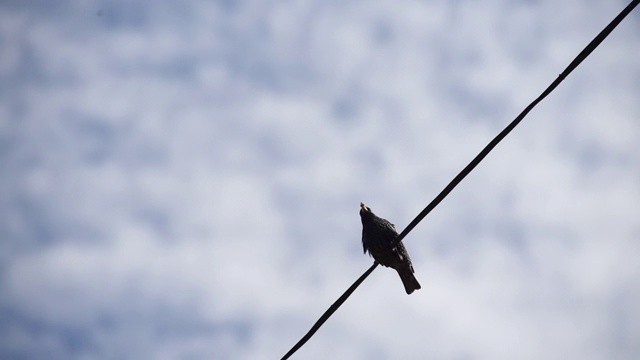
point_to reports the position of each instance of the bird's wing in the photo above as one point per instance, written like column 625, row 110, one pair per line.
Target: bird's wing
column 399, row 253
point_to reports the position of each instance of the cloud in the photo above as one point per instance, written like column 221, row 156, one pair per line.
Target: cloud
column 183, row 180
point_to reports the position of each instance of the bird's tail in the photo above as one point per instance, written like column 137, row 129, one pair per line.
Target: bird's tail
column 408, row 280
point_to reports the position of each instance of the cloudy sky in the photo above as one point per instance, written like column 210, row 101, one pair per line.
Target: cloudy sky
column 182, row 180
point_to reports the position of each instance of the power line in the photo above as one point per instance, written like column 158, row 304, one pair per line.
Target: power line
column 443, row 194
column 583, row 55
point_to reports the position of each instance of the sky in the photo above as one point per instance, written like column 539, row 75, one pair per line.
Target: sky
column 182, row 180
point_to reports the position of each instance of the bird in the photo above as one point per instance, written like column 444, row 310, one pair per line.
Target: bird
column 378, row 238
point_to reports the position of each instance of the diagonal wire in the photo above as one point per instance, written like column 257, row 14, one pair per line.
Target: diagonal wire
column 330, row 311
column 583, row 55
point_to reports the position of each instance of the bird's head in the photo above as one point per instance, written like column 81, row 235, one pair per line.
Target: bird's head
column 365, row 210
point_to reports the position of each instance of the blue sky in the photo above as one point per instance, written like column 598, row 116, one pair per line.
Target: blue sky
column 182, row 180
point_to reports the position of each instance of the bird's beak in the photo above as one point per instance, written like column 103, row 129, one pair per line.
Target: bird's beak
column 363, row 206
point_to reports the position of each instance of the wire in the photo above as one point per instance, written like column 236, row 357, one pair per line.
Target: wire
column 330, row 311
column 583, row 55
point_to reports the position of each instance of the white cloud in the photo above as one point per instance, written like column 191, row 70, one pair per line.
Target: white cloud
column 183, row 181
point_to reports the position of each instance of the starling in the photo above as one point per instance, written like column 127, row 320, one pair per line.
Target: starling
column 378, row 236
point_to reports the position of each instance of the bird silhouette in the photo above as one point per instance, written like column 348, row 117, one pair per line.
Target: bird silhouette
column 378, row 237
